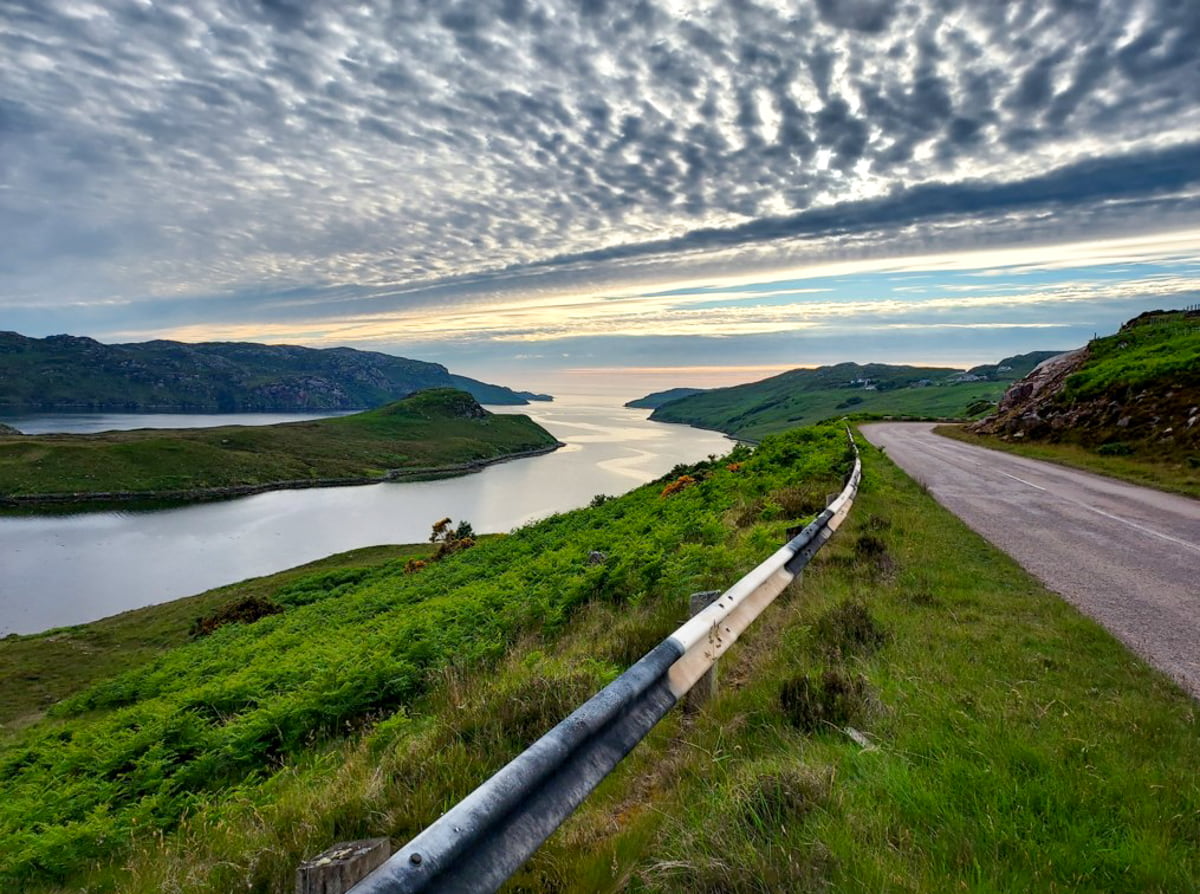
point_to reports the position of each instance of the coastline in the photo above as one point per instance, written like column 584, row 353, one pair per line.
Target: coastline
column 737, row 439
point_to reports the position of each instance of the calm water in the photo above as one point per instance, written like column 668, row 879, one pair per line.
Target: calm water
column 90, row 423
column 61, row 570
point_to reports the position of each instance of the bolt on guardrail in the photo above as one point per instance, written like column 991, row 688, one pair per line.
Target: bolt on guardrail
column 477, row 844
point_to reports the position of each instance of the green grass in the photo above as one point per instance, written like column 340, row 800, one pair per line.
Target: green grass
column 1016, row 746
column 431, row 429
column 1149, row 351
column 797, row 398
column 41, row 669
column 1165, row 471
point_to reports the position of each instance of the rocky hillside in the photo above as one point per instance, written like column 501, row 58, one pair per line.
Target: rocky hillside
column 65, row 372
column 1135, row 391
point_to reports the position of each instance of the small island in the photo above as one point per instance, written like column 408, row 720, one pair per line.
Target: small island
column 432, row 433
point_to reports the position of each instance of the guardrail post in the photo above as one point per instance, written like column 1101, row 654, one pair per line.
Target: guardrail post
column 336, row 870
column 706, row 687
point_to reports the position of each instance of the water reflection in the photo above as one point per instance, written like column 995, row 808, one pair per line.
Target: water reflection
column 91, row 423
column 62, row 570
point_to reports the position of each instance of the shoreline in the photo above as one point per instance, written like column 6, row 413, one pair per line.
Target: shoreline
column 210, row 494
column 729, row 436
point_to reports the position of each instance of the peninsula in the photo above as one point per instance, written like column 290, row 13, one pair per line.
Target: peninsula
column 432, row 433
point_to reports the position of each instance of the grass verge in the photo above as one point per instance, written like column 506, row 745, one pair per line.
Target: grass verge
column 1013, row 744
column 1173, row 474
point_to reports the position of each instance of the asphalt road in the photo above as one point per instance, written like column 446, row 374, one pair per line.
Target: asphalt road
column 1128, row 556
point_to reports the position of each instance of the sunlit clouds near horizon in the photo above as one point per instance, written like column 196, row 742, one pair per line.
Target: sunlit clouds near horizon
column 526, row 189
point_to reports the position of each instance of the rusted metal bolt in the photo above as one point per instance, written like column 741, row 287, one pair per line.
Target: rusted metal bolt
column 415, row 859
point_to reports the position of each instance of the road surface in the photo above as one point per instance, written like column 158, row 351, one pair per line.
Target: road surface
column 1128, row 556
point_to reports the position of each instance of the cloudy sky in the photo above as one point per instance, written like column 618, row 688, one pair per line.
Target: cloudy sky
column 542, row 191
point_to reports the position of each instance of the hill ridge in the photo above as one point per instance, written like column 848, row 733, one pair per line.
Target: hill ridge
column 71, row 372
column 805, row 396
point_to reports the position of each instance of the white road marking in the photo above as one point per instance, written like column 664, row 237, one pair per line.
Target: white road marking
column 1192, row 546
column 1022, row 480
column 966, row 454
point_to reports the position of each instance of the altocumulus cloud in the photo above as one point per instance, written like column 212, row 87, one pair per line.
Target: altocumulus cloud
column 282, row 159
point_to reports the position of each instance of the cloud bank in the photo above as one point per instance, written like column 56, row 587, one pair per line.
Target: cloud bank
column 262, row 160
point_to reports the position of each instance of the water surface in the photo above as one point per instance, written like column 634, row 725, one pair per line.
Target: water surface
column 91, row 423
column 61, row 570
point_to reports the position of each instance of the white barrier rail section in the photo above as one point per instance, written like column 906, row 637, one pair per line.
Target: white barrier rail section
column 708, row 635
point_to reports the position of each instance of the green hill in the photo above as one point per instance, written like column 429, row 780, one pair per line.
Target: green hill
column 1011, row 368
column 656, row 399
column 432, row 431
column 495, row 394
column 64, row 372
column 805, row 396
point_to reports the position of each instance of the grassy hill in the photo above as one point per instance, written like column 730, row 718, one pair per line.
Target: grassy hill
column 431, row 430
column 805, row 396
column 40, row 669
column 64, row 372
column 1012, row 744
column 1139, row 388
column 656, row 399
column 1126, row 405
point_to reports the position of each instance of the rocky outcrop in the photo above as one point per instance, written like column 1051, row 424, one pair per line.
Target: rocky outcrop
column 1153, row 412
column 1028, row 408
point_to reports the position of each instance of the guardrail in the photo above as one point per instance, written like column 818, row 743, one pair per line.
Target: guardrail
column 477, row 844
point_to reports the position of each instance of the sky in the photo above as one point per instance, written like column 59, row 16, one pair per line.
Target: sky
column 615, row 196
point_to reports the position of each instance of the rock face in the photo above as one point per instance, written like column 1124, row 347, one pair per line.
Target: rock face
column 1028, row 408
column 1144, row 412
column 64, row 372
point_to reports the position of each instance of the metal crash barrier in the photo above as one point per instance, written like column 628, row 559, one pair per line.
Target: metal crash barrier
column 477, row 844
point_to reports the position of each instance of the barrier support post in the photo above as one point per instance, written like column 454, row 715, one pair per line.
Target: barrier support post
column 338, row 869
column 706, row 687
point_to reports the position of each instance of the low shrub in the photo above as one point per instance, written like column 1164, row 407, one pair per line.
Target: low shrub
column 849, row 629
column 677, row 485
column 833, row 699
column 243, row 611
